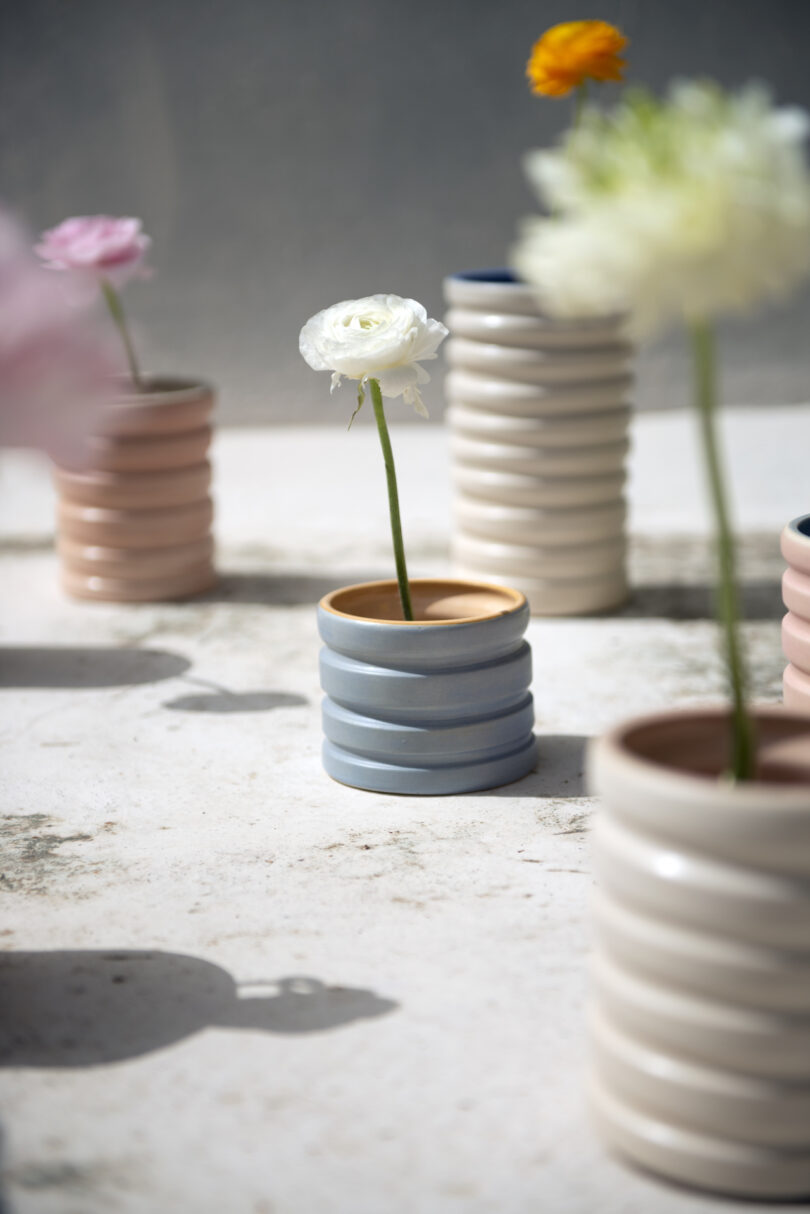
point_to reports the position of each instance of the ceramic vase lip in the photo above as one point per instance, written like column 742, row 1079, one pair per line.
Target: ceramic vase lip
column 500, row 283
column 490, row 287
column 171, row 405
column 642, row 747
column 159, row 388
column 347, row 602
column 795, row 543
column 800, row 527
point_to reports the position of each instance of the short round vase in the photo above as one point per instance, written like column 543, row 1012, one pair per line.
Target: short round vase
column 437, row 705
column 538, row 418
column 134, row 523
column 795, row 544
column 700, row 1009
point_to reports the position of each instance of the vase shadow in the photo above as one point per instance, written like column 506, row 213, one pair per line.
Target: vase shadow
column 759, row 600
column 559, row 772
column 236, row 701
column 288, row 589
column 58, row 666
column 88, row 1008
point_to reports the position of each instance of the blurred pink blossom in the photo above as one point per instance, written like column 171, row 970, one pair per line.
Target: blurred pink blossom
column 56, row 369
column 101, row 245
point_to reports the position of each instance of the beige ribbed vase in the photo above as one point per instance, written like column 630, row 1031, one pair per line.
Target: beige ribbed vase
column 538, row 420
column 700, row 1016
column 134, row 525
column 796, row 624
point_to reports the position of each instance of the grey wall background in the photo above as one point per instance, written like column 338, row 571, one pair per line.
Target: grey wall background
column 285, row 154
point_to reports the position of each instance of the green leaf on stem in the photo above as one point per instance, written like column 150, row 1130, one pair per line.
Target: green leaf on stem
column 361, row 396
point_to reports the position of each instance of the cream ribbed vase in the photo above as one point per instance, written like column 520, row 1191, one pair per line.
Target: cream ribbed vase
column 700, row 1014
column 134, row 524
column 538, row 420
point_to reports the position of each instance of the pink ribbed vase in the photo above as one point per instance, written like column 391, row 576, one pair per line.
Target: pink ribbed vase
column 796, row 624
column 134, row 525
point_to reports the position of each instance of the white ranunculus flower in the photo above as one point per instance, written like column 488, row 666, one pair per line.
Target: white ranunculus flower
column 382, row 337
column 683, row 209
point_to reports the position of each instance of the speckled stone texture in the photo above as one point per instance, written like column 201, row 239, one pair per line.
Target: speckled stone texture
column 239, row 986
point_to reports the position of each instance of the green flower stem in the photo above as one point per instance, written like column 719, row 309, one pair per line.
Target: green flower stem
column 580, row 101
column 743, row 753
column 113, row 301
column 393, row 500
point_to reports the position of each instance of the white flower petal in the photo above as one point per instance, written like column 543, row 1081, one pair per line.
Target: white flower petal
column 380, row 336
column 429, row 340
column 412, row 396
column 693, row 207
column 394, row 381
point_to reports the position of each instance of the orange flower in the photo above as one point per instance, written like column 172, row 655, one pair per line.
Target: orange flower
column 569, row 54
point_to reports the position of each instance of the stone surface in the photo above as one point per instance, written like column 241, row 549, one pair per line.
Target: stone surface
column 238, row 986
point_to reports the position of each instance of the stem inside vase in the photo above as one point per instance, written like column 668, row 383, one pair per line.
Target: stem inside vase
column 743, row 742
column 393, row 500
column 116, row 309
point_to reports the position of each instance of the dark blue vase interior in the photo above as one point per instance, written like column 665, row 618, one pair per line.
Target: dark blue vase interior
column 498, row 275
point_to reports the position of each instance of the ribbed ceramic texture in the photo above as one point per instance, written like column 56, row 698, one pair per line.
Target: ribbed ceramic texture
column 427, row 708
column 135, row 524
column 796, row 624
column 700, row 1009
column 538, row 417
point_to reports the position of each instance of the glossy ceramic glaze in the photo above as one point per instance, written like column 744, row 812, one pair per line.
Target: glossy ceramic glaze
column 538, row 420
column 700, row 1011
column 135, row 523
column 796, row 624
column 437, row 705
column 691, row 1157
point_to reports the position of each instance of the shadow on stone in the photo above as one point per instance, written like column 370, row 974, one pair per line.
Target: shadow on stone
column 759, row 600
column 236, row 701
column 284, row 589
column 5, row 1207
column 74, row 1009
column 560, row 770
column 56, row 666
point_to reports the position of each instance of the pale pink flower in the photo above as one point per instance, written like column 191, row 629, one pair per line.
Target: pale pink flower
column 56, row 368
column 98, row 245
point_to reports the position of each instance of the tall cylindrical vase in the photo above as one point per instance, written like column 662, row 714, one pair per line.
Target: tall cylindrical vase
column 134, row 524
column 538, row 418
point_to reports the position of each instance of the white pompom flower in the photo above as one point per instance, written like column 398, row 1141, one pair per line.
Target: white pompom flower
column 677, row 210
column 381, row 337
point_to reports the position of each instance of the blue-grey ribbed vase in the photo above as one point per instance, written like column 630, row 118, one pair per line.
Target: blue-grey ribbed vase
column 437, row 705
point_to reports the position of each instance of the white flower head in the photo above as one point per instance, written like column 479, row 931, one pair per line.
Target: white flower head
column 683, row 209
column 382, row 337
